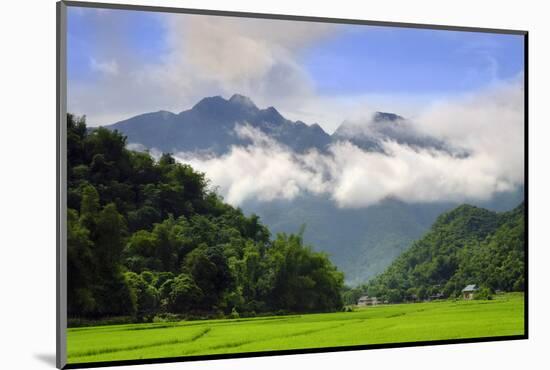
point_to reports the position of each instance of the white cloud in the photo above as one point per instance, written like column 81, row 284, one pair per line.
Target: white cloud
column 106, row 67
column 204, row 56
column 489, row 123
column 264, row 170
column 489, row 126
column 258, row 58
column 364, row 178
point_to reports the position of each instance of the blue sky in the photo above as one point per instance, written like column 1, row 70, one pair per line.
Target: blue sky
column 162, row 61
column 142, row 32
column 385, row 60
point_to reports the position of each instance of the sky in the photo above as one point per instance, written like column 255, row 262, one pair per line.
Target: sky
column 464, row 89
column 123, row 63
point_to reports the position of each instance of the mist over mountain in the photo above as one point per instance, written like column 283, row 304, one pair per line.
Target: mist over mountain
column 362, row 242
column 364, row 193
column 370, row 135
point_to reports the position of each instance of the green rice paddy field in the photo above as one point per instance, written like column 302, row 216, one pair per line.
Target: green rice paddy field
column 502, row 316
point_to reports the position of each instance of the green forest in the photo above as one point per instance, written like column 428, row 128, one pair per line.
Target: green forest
column 468, row 245
column 149, row 238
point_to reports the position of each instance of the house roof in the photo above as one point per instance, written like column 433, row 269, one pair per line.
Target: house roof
column 470, row 288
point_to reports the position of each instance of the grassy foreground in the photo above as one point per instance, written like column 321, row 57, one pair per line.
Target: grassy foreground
column 373, row 325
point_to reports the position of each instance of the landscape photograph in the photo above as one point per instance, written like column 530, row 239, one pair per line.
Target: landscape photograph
column 240, row 185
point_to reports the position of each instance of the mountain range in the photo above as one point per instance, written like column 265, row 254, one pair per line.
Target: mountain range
column 361, row 242
column 209, row 127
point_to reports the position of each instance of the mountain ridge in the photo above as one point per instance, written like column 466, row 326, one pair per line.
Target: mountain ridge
column 210, row 123
column 209, row 126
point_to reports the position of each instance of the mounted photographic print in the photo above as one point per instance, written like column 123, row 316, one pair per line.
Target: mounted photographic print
column 238, row 184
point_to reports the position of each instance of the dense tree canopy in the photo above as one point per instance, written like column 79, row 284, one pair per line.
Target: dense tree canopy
column 147, row 236
column 467, row 245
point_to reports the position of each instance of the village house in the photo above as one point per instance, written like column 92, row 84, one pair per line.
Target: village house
column 469, row 291
column 367, row 301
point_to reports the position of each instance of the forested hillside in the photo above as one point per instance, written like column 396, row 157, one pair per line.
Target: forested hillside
column 468, row 245
column 148, row 237
column 361, row 241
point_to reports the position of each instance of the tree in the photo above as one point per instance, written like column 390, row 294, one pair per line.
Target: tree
column 76, row 132
column 167, row 244
column 143, row 218
column 146, row 295
column 114, row 294
column 182, row 294
column 141, row 252
column 209, row 269
column 109, row 236
column 89, row 206
column 303, row 280
column 80, row 296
